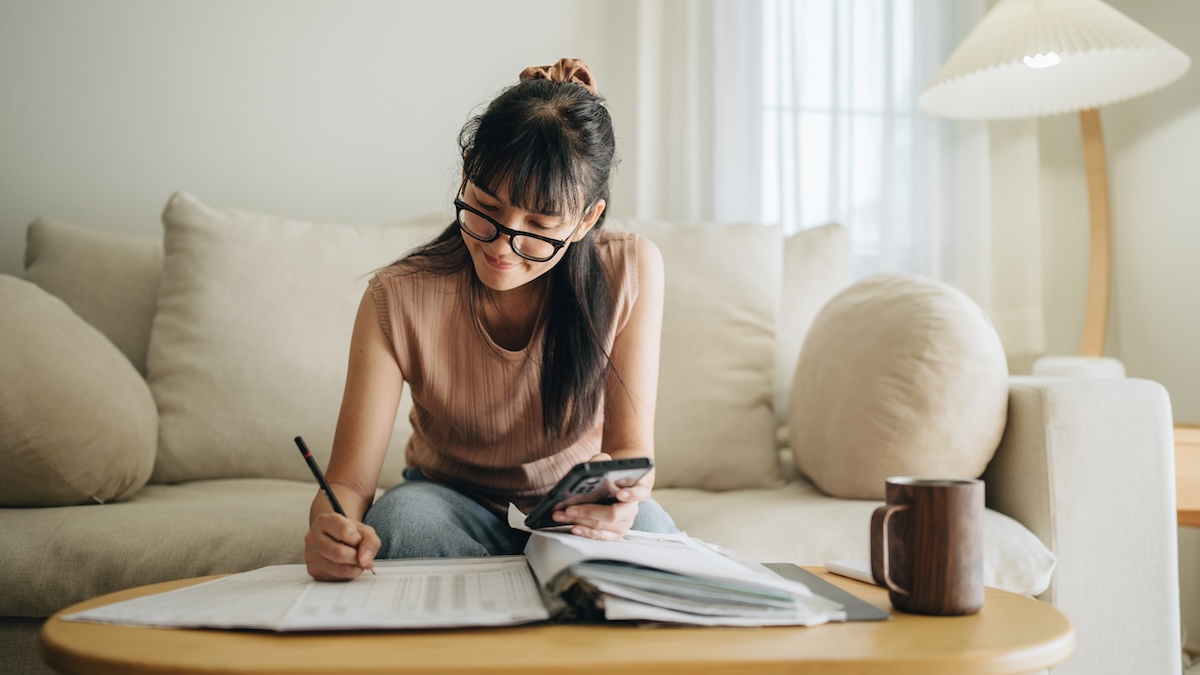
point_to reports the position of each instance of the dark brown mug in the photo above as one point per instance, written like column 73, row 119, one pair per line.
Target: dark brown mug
column 927, row 545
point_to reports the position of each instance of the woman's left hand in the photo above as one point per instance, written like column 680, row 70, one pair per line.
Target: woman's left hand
column 607, row 522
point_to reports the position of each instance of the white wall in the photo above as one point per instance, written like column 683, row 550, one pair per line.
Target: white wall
column 1153, row 145
column 323, row 110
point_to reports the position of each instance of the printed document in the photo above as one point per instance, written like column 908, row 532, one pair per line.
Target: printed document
column 496, row 591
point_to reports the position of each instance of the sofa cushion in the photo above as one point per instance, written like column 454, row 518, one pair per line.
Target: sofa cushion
column 816, row 267
column 77, row 423
column 250, row 343
column 56, row 557
column 111, row 280
column 799, row 524
column 715, row 422
column 899, row 375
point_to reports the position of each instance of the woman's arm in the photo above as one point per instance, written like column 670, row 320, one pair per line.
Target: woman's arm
column 629, row 401
column 337, row 547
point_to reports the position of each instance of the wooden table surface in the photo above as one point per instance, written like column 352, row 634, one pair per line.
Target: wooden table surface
column 1187, row 474
column 1011, row 634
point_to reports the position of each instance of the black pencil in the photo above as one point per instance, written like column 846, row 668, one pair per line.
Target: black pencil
column 316, row 472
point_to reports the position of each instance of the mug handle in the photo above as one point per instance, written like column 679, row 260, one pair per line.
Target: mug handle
column 887, row 567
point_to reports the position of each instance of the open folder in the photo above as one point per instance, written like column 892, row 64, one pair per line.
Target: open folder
column 643, row 577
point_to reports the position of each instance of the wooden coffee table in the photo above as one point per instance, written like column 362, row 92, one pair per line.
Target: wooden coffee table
column 1012, row 634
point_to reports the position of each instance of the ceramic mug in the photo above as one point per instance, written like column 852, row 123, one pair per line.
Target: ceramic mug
column 927, row 545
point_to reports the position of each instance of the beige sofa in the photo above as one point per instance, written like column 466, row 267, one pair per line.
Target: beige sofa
column 151, row 390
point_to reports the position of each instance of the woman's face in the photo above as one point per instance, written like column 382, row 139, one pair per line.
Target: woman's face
column 496, row 263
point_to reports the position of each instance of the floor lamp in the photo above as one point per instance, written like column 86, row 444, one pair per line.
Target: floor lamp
column 1030, row 58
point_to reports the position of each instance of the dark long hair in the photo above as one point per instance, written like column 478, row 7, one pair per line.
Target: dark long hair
column 551, row 144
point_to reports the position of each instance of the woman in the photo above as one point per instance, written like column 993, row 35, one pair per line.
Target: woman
column 528, row 335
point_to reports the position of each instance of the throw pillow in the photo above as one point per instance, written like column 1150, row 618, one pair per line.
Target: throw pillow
column 110, row 280
column 250, row 343
column 715, row 423
column 899, row 375
column 77, row 423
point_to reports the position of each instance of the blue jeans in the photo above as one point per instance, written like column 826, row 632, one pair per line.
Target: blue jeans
column 423, row 519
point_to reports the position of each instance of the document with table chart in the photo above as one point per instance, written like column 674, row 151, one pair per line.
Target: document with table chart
column 496, row 591
column 425, row 594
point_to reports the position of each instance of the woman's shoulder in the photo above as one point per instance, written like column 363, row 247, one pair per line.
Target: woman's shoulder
column 625, row 254
column 607, row 235
column 622, row 248
column 617, row 246
column 410, row 273
column 389, row 274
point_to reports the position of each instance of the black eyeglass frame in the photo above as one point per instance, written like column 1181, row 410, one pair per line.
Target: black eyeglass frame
column 460, row 205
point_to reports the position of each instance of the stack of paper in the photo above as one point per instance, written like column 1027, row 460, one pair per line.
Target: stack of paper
column 671, row 578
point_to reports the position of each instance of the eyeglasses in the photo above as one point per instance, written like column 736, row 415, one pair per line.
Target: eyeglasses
column 529, row 246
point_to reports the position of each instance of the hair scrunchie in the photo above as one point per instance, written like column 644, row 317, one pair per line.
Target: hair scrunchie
column 566, row 70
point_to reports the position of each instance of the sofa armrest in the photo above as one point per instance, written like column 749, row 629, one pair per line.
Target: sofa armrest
column 1088, row 466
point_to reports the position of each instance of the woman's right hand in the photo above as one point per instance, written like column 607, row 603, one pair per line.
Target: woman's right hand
column 339, row 549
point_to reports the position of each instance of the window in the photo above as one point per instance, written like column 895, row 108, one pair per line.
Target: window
column 842, row 140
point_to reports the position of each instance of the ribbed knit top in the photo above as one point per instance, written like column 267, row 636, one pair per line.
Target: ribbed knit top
column 477, row 411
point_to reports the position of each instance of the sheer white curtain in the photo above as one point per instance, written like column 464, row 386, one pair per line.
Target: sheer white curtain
column 699, row 109
column 843, row 141
column 675, row 90
column 803, row 112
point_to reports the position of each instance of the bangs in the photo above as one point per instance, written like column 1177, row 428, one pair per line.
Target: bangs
column 532, row 160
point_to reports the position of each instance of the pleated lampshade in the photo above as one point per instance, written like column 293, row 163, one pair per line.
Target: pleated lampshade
column 1028, row 58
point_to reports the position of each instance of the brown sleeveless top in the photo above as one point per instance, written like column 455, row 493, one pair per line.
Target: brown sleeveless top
column 477, row 411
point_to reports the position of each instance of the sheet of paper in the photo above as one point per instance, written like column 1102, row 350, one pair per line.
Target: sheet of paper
column 256, row 599
column 424, row 594
column 402, row 594
column 516, row 520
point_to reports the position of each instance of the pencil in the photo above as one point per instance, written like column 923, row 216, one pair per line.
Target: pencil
column 316, row 472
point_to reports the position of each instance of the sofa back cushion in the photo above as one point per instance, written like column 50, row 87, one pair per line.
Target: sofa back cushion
column 715, row 421
column 816, row 267
column 110, row 280
column 250, row 343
